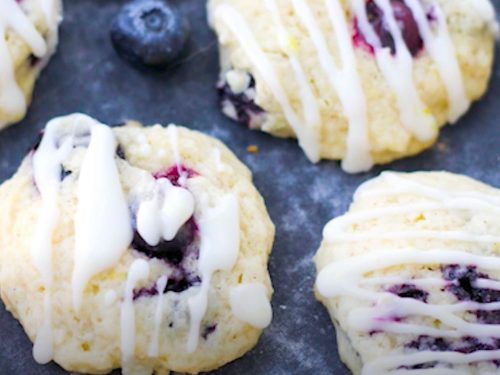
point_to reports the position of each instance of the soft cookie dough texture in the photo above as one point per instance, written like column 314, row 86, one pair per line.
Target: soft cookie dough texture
column 28, row 38
column 125, row 319
column 323, row 71
column 411, row 274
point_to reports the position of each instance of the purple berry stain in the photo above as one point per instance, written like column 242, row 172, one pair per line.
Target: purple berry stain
column 175, row 172
column 402, row 291
column 405, row 20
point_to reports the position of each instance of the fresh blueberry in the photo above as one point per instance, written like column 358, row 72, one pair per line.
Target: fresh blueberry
column 406, row 22
column 150, row 32
column 245, row 108
column 409, row 291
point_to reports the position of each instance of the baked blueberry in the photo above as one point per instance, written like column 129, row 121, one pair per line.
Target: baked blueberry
column 120, row 153
column 170, row 251
column 34, row 60
column 177, row 283
column 406, row 22
column 150, row 32
column 429, row 343
column 462, row 287
column 209, row 330
column 240, row 107
column 409, row 291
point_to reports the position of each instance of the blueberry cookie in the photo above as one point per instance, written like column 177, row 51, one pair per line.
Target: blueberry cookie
column 28, row 38
column 362, row 81
column 133, row 247
column 411, row 276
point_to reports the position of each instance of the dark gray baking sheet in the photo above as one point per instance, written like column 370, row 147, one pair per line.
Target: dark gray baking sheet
column 87, row 76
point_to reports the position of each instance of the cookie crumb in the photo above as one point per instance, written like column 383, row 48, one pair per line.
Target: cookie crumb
column 253, row 149
column 442, row 147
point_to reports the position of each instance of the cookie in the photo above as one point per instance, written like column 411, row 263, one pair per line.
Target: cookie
column 28, row 38
column 362, row 81
column 411, row 276
column 144, row 248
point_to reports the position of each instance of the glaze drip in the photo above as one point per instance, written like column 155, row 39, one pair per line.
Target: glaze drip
column 219, row 250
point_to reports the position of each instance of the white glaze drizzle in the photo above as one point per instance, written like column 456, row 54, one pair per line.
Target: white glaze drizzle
column 155, row 337
column 308, row 140
column 441, row 49
column 347, row 277
column 139, row 270
column 47, row 161
column 12, row 99
column 250, row 303
column 310, row 106
column 98, row 181
column 52, row 12
column 486, row 11
column 218, row 160
column 458, row 200
column 49, row 9
column 103, row 229
column 238, row 81
column 174, row 143
column 398, row 71
column 345, row 79
column 162, row 216
column 219, row 248
column 110, row 297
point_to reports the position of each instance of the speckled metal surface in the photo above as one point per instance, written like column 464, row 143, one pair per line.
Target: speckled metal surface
column 87, row 76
